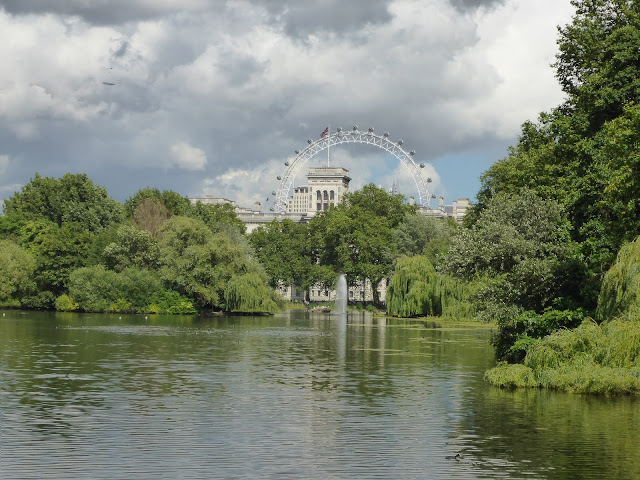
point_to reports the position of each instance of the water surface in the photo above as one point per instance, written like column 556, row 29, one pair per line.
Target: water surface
column 298, row 395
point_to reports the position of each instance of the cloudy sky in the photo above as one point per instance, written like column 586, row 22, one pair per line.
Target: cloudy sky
column 213, row 96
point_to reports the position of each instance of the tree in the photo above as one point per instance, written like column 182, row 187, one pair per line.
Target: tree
column 58, row 251
column 175, row 203
column 72, row 198
column 199, row 264
column 421, row 235
column 149, row 215
column 133, row 248
column 217, row 216
column 355, row 238
column 522, row 245
column 16, row 273
column 96, row 289
column 415, row 288
column 582, row 152
column 283, row 249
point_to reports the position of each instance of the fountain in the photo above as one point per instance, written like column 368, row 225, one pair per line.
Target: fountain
column 341, row 294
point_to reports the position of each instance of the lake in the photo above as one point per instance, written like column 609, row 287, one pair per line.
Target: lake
column 296, row 395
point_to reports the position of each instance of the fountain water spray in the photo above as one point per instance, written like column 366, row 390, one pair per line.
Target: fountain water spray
column 341, row 294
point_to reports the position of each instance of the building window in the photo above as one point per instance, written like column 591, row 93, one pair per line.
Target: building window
column 319, row 195
column 326, row 195
column 331, row 197
column 318, row 206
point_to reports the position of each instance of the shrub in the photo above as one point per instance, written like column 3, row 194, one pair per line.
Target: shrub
column 64, row 303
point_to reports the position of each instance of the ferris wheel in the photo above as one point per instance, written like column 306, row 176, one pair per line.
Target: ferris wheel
column 328, row 140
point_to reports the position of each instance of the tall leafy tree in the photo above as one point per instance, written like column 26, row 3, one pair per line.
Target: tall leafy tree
column 283, row 249
column 356, row 237
column 71, row 198
column 16, row 273
column 581, row 153
column 58, row 251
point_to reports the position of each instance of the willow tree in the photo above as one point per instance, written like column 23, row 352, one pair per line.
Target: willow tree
column 416, row 289
column 620, row 294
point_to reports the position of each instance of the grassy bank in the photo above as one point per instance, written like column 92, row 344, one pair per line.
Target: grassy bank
column 591, row 359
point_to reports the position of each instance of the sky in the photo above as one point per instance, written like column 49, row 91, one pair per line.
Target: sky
column 211, row 97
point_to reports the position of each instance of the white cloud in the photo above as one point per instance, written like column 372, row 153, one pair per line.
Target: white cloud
column 188, row 157
column 247, row 88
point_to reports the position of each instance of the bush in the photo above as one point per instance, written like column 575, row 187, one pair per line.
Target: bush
column 596, row 359
column 64, row 303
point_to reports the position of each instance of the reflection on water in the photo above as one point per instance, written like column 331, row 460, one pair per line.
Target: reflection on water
column 298, row 395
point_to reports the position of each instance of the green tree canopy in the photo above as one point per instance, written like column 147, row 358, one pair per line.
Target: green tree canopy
column 582, row 154
column 16, row 273
column 72, row 198
column 200, row 264
column 356, row 237
column 283, row 249
column 175, row 203
column 132, row 248
column 58, row 251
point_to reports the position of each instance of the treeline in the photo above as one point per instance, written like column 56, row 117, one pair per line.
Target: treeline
column 66, row 244
column 582, row 159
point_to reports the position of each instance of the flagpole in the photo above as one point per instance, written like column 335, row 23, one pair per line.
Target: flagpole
column 328, row 143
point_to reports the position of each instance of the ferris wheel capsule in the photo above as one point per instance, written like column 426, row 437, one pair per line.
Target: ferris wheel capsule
column 429, row 180
column 339, row 129
column 400, row 142
column 286, row 164
column 412, row 153
column 297, row 151
column 273, row 193
column 355, row 128
column 385, row 134
column 309, row 141
column 279, row 177
column 370, row 129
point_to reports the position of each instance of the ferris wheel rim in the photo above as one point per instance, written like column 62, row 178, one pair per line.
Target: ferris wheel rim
column 354, row 136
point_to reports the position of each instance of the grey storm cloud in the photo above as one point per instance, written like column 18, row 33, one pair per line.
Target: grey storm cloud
column 188, row 94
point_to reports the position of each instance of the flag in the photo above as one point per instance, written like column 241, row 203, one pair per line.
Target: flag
column 326, row 131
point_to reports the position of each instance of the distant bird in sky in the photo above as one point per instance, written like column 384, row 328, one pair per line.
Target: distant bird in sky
column 108, row 83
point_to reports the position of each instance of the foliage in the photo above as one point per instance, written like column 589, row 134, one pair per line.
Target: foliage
column 248, row 293
column 356, row 237
column 600, row 359
column 199, row 264
column 10, row 226
column 16, row 273
column 64, row 303
column 282, row 247
column 417, row 290
column 216, row 216
column 171, row 302
column 133, row 248
column 584, row 153
column 521, row 245
column 70, row 199
column 96, row 289
column 58, row 251
column 175, row 203
column 421, row 235
column 519, row 332
column 620, row 293
column 149, row 214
